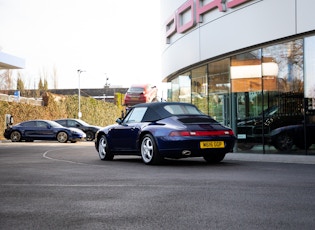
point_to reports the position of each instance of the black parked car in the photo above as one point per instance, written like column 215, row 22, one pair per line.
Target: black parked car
column 250, row 131
column 89, row 130
column 284, row 138
column 42, row 130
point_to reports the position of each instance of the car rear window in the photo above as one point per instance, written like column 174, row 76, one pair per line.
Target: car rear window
column 136, row 90
column 182, row 110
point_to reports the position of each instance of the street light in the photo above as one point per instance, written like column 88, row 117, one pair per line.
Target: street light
column 106, row 86
column 79, row 113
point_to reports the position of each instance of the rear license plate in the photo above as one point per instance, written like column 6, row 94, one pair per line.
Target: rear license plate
column 211, row 144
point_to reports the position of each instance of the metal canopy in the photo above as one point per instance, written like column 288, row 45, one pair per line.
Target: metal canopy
column 8, row 61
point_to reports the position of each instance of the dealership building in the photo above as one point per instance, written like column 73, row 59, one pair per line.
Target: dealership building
column 250, row 64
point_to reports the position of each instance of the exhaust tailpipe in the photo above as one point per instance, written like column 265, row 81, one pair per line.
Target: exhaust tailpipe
column 186, row 152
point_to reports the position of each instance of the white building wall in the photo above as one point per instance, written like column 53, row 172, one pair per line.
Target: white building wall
column 252, row 23
column 305, row 15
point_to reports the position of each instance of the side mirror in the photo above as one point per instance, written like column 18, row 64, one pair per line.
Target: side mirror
column 119, row 121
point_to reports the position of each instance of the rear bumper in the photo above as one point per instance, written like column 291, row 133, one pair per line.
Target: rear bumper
column 191, row 148
column 133, row 102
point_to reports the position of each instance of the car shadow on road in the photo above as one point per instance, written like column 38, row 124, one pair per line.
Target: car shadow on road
column 177, row 162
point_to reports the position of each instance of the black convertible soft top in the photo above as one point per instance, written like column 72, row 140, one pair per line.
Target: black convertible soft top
column 160, row 110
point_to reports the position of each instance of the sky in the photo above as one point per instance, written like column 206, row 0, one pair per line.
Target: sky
column 118, row 40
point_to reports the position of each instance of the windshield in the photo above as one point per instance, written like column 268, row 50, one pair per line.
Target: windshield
column 83, row 122
column 270, row 111
column 54, row 124
column 135, row 115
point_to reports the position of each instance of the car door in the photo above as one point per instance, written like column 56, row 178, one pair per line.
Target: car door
column 78, row 125
column 63, row 123
column 28, row 129
column 43, row 131
column 124, row 136
column 73, row 124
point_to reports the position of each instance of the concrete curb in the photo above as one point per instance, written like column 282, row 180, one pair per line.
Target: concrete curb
column 291, row 159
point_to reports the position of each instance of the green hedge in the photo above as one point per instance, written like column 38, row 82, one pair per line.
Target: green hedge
column 94, row 111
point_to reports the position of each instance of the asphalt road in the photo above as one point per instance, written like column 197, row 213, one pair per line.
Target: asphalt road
column 65, row 186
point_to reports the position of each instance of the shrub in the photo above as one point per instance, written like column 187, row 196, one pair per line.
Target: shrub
column 94, row 112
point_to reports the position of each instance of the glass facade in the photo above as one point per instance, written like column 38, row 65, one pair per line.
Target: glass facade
column 266, row 95
column 181, row 88
column 199, row 88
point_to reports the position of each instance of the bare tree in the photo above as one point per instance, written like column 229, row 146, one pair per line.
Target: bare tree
column 55, row 77
column 45, row 85
column 40, row 84
column 43, row 75
column 20, row 85
column 6, row 80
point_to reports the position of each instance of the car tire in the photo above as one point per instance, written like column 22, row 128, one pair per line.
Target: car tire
column 149, row 151
column 103, row 149
column 15, row 136
column 245, row 146
column 214, row 158
column 301, row 144
column 283, row 142
column 89, row 136
column 62, row 137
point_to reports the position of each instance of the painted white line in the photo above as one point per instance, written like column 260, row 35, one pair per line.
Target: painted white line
column 107, row 185
column 60, row 160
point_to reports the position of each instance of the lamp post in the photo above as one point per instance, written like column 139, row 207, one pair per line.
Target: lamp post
column 106, row 86
column 79, row 93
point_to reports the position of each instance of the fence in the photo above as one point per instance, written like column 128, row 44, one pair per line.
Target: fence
column 24, row 100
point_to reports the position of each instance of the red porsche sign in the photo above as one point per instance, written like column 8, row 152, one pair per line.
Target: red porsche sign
column 195, row 9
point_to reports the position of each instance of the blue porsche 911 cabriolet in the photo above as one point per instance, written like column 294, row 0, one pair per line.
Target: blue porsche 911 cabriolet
column 161, row 130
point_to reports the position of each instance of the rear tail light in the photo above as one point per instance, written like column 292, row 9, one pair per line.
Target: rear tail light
column 179, row 134
column 201, row 133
